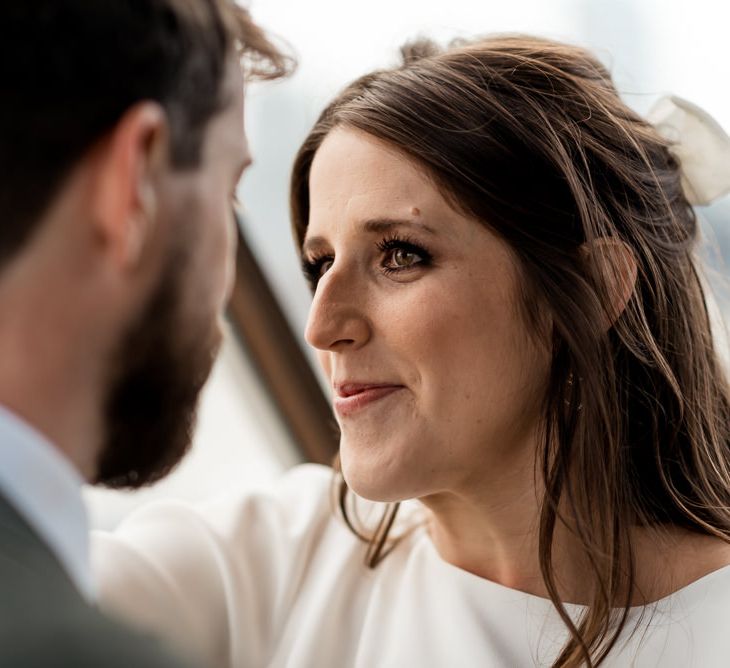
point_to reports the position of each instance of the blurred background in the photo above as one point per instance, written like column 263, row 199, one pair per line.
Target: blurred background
column 265, row 407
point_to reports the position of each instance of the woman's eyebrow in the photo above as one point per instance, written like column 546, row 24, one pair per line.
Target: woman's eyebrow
column 385, row 224
column 374, row 225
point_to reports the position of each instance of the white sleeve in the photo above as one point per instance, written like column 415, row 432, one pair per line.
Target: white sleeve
column 215, row 581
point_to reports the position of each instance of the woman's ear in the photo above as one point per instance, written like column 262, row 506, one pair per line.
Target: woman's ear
column 615, row 266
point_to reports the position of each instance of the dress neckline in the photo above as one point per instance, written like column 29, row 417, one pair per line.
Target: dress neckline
column 695, row 591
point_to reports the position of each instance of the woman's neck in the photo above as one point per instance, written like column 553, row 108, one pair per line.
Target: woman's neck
column 498, row 539
column 493, row 532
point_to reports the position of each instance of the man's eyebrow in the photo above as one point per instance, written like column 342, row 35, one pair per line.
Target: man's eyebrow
column 374, row 225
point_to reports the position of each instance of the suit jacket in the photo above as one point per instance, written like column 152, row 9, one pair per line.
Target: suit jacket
column 44, row 620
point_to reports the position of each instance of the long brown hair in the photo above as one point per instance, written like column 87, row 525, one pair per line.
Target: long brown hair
column 530, row 137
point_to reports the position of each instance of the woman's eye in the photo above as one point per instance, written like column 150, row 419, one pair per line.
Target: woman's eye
column 401, row 258
column 315, row 268
column 324, row 266
column 402, row 255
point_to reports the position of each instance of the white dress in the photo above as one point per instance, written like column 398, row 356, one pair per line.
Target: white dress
column 276, row 579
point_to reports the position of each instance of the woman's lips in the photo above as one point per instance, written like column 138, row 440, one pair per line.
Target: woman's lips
column 356, row 401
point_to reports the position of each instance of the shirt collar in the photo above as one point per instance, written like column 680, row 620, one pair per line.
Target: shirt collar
column 45, row 488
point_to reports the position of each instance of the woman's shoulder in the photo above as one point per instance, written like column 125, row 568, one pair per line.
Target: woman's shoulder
column 302, row 495
column 690, row 627
column 184, row 571
column 245, row 524
column 703, row 605
column 290, row 517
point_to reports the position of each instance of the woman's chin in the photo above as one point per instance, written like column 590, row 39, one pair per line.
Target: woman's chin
column 375, row 480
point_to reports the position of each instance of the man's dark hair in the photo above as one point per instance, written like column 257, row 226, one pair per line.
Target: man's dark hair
column 69, row 69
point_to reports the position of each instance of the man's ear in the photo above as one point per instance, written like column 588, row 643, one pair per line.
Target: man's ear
column 616, row 268
column 127, row 169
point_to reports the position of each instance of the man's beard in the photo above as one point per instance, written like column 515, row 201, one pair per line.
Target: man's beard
column 151, row 404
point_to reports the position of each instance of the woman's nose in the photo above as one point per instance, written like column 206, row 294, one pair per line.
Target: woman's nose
column 337, row 317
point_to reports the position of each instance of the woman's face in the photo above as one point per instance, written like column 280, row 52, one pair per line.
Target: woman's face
column 436, row 381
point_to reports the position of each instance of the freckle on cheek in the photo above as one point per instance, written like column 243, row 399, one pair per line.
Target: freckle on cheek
column 415, row 211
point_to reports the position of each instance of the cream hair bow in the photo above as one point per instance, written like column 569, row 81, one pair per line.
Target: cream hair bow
column 700, row 144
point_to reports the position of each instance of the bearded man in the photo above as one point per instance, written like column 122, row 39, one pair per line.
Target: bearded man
column 121, row 146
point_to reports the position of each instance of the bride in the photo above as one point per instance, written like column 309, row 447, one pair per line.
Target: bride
column 534, row 464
